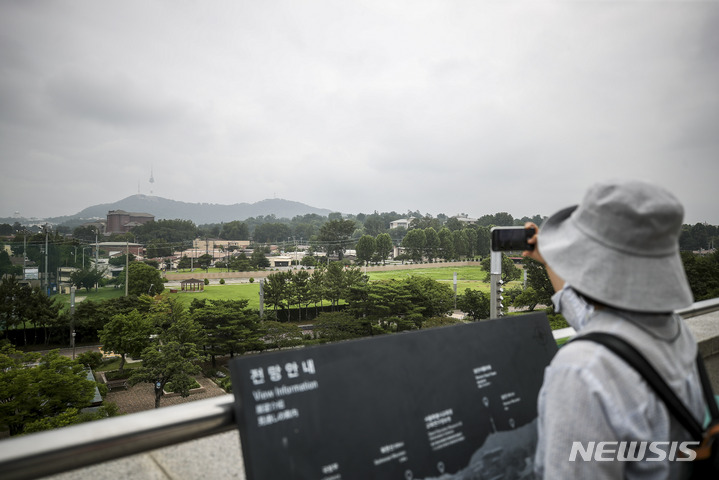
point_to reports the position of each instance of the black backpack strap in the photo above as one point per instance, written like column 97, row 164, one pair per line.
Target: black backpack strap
column 631, row 356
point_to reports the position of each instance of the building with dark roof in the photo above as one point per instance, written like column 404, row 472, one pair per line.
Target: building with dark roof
column 120, row 221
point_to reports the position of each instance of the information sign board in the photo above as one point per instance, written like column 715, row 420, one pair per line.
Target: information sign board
column 451, row 402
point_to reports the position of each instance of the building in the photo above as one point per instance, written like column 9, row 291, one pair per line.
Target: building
column 464, row 219
column 401, row 223
column 120, row 221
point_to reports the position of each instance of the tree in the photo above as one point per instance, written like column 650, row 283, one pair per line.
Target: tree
column 509, row 269
column 258, row 259
column 204, row 261
column 85, row 233
column 333, row 282
column 335, row 235
column 229, row 327
column 234, row 230
column 172, row 361
column 276, row 289
column 461, row 244
column 336, row 326
column 474, row 303
column 184, row 263
column 127, row 334
column 365, row 248
column 282, row 335
column 86, row 278
column 91, row 317
column 433, row 297
column 446, row 243
column 30, row 393
column 20, row 304
column 120, row 260
column 528, row 298
column 703, row 274
column 414, row 243
column 538, row 280
column 383, row 246
column 144, row 280
column 431, row 244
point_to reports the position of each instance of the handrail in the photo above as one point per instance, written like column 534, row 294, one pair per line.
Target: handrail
column 697, row 308
column 46, row 453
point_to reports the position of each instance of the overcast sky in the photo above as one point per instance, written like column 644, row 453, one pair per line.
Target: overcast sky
column 439, row 106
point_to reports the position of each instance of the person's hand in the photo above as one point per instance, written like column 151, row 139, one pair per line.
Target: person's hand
column 556, row 280
column 533, row 254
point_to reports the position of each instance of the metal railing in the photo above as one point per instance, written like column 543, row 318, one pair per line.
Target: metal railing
column 46, row 453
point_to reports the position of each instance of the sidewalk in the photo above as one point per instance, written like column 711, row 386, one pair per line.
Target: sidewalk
column 142, row 396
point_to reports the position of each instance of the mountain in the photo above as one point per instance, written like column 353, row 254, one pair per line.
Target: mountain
column 199, row 213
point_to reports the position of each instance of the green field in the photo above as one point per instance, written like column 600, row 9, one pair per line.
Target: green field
column 467, row 277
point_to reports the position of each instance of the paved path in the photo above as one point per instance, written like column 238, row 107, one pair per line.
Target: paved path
column 142, row 396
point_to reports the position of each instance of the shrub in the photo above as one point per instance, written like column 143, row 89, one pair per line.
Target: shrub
column 252, row 280
column 222, row 281
column 207, row 282
column 90, row 359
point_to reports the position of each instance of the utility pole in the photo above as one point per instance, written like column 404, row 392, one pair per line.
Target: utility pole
column 47, row 274
column 72, row 320
column 262, row 297
column 127, row 267
column 97, row 256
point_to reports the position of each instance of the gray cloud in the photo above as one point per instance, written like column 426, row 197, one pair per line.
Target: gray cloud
column 442, row 107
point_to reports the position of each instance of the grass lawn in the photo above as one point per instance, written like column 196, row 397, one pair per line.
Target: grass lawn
column 114, row 364
column 103, row 293
column 235, row 291
column 471, row 277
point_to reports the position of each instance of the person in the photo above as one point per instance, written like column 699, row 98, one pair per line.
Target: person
column 615, row 266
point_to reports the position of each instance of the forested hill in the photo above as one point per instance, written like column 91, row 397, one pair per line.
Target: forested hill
column 199, row 213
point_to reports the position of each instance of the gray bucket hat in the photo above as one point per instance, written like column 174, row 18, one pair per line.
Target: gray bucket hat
column 620, row 247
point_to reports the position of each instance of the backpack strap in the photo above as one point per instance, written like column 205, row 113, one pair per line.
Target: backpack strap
column 631, row 356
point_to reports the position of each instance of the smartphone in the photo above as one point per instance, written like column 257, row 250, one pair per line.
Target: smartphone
column 511, row 238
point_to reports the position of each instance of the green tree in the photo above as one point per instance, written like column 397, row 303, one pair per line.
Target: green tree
column 335, row 236
column 277, row 291
column 538, row 280
column 204, row 261
column 144, row 279
column 703, row 274
column 234, row 230
column 509, row 269
column 365, row 248
column 30, row 392
column 127, row 334
column 86, row 278
column 229, row 326
column 172, row 361
column 414, row 243
column 336, row 326
column 383, row 244
column 434, row 298
column 528, row 298
column 446, row 243
column 431, row 243
column 282, row 335
column 184, row 263
column 258, row 259
column 461, row 243
column 474, row 303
